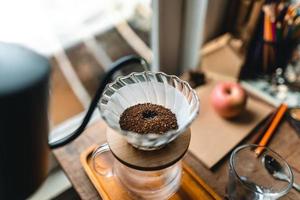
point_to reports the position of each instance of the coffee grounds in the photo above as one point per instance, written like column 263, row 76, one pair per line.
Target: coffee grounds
column 148, row 118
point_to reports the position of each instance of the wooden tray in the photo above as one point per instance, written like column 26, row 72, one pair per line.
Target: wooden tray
column 192, row 187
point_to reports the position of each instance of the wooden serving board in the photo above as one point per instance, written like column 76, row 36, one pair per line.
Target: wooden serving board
column 192, row 187
column 212, row 136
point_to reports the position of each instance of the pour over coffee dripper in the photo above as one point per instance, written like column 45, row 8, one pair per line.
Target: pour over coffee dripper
column 149, row 87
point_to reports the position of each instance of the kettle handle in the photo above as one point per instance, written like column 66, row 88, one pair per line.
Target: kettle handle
column 116, row 66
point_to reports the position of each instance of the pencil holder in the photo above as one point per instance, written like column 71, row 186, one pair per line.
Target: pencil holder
column 276, row 54
column 264, row 57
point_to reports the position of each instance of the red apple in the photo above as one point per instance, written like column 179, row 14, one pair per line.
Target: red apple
column 228, row 99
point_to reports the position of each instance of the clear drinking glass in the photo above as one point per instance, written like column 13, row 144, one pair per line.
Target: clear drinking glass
column 249, row 178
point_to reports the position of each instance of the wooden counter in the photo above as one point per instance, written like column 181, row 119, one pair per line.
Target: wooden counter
column 286, row 142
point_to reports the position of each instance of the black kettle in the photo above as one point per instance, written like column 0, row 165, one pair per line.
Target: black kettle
column 24, row 94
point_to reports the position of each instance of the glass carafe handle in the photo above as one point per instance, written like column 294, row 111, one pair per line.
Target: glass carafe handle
column 116, row 66
column 103, row 167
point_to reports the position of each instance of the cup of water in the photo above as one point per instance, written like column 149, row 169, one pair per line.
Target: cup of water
column 253, row 177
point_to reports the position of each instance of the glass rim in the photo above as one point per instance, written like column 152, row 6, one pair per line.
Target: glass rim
column 269, row 194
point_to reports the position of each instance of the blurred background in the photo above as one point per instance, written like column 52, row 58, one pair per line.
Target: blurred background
column 82, row 39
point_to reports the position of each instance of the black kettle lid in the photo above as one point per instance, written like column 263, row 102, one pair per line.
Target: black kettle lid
column 20, row 68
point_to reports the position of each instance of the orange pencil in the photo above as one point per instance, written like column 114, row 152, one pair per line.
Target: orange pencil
column 269, row 19
column 266, row 39
column 265, row 139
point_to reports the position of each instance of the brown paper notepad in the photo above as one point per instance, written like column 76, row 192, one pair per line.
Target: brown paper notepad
column 212, row 136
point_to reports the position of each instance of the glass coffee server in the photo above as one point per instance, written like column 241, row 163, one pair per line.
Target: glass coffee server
column 148, row 165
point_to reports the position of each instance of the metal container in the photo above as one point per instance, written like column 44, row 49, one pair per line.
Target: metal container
column 24, row 91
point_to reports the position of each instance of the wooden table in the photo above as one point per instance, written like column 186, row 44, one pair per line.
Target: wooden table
column 286, row 142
